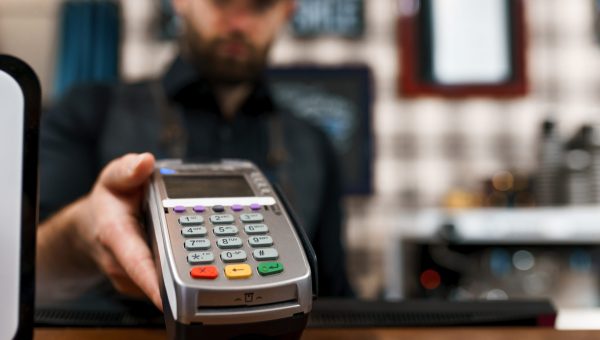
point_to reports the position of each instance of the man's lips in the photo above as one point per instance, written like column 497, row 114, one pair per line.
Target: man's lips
column 236, row 50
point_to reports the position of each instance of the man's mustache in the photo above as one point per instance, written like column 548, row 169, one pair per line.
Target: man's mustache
column 233, row 40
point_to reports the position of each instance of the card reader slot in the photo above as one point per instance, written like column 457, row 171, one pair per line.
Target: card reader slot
column 246, row 308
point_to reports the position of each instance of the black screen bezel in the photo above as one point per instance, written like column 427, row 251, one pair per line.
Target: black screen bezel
column 30, row 86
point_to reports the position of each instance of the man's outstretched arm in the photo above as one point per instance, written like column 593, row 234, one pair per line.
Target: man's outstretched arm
column 101, row 233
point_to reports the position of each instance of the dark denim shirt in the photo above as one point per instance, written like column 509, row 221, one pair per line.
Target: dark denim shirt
column 95, row 124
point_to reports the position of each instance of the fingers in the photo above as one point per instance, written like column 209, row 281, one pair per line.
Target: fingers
column 119, row 278
column 125, row 258
column 127, row 173
column 126, row 244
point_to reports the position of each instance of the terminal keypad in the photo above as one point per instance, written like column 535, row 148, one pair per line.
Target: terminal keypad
column 237, row 233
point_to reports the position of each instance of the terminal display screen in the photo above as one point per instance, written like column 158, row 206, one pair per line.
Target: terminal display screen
column 207, row 186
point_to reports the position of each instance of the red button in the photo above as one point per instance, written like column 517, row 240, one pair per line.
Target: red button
column 204, row 272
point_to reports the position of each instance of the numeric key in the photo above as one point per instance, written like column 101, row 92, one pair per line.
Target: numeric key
column 222, row 218
column 191, row 220
column 233, row 256
column 229, row 242
column 256, row 229
column 251, row 218
column 225, row 230
column 260, row 241
column 197, row 243
column 193, row 231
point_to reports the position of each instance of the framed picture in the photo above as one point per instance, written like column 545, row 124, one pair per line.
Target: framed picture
column 343, row 18
column 339, row 100
column 459, row 48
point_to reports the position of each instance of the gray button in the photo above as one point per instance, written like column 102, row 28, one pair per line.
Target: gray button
column 254, row 229
column 276, row 209
column 225, row 230
column 222, row 218
column 197, row 243
column 200, row 257
column 249, row 218
column 193, row 231
column 260, row 241
column 229, row 242
column 262, row 184
column 265, row 254
column 233, row 256
column 191, row 220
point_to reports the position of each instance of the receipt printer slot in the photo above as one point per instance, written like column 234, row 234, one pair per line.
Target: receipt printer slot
column 248, row 298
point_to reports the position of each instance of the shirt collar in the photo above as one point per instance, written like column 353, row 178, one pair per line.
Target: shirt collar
column 184, row 84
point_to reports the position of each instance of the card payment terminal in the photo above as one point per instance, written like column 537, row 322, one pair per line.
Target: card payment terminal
column 232, row 259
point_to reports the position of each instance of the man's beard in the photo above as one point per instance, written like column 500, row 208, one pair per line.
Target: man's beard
column 224, row 70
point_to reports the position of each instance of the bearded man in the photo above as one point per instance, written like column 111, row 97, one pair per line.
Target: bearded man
column 99, row 144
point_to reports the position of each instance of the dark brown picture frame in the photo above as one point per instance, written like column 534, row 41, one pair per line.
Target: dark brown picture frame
column 413, row 82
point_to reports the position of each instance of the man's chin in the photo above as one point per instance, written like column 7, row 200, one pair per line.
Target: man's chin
column 233, row 80
column 231, row 75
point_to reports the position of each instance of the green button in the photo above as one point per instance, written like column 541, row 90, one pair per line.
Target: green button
column 270, row 268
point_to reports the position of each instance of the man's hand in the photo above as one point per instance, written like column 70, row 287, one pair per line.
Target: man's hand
column 105, row 225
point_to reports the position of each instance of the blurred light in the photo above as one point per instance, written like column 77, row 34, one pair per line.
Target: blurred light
column 461, row 293
column 496, row 294
column 500, row 264
column 430, row 279
column 523, row 260
column 167, row 171
column 580, row 261
column 537, row 284
column 457, row 199
column 503, row 181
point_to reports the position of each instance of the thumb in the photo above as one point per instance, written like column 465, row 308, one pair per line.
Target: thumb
column 128, row 172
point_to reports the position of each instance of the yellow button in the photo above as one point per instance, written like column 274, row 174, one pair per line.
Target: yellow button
column 238, row 271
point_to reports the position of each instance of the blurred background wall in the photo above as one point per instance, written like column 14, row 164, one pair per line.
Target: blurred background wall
column 424, row 148
column 448, row 142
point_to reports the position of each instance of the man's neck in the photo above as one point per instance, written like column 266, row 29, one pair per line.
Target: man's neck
column 231, row 97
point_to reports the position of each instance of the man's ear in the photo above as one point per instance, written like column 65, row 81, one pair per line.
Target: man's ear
column 290, row 8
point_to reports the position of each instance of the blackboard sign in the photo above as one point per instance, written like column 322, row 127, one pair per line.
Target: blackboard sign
column 337, row 99
column 329, row 17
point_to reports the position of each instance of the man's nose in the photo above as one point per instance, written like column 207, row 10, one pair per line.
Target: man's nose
column 241, row 19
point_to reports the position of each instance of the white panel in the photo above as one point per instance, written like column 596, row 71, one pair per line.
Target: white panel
column 209, row 202
column 11, row 151
column 470, row 41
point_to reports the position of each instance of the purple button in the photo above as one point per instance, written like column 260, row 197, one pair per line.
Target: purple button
column 237, row 207
column 255, row 206
column 199, row 208
column 179, row 209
